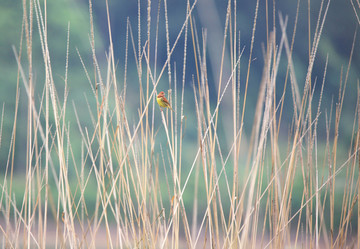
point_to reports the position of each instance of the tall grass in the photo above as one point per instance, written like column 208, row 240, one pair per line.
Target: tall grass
column 236, row 192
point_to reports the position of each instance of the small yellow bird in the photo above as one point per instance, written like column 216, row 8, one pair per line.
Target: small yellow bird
column 162, row 101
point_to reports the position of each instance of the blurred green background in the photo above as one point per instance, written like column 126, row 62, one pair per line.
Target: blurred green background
column 336, row 42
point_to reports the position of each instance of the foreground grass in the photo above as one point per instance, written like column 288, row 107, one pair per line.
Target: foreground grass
column 130, row 179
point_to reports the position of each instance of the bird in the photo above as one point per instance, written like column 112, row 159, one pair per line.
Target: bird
column 162, row 101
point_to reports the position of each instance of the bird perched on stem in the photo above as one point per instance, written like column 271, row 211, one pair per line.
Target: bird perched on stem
column 162, row 101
